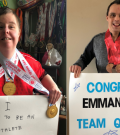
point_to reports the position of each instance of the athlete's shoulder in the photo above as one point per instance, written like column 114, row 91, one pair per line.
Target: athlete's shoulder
column 28, row 56
column 99, row 35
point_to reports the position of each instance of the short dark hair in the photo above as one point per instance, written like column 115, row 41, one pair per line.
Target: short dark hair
column 114, row 2
column 5, row 10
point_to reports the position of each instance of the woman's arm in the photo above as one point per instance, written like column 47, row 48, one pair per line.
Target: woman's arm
column 51, row 86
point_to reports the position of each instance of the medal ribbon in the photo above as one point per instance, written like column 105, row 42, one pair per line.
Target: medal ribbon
column 40, row 29
column 53, row 9
column 29, row 76
column 43, row 21
column 10, row 75
column 26, row 28
column 19, row 14
column 27, row 67
column 113, row 48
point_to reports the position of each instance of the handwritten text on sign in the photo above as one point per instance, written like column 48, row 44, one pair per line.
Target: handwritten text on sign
column 26, row 115
column 94, row 105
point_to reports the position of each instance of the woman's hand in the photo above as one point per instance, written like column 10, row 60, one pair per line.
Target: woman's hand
column 54, row 95
column 50, row 85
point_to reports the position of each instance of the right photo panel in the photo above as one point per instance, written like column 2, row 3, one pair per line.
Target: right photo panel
column 93, row 64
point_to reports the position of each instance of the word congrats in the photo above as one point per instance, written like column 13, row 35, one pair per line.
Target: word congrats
column 105, row 87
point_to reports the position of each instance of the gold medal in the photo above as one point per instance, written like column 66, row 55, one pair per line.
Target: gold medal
column 9, row 88
column 52, row 111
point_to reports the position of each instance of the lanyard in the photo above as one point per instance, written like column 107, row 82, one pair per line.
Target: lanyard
column 53, row 9
column 29, row 76
column 9, row 77
column 9, row 74
column 26, row 28
column 42, row 20
column 20, row 14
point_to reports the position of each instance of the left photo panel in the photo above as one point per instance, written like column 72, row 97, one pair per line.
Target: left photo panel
column 33, row 67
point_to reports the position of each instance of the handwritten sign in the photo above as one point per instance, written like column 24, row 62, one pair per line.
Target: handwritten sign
column 94, row 104
column 26, row 115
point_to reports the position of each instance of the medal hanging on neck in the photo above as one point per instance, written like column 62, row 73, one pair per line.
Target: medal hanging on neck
column 9, row 88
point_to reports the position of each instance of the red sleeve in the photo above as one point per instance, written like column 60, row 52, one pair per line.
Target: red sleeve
column 40, row 72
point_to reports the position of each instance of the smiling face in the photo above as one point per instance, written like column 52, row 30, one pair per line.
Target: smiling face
column 9, row 34
column 113, row 18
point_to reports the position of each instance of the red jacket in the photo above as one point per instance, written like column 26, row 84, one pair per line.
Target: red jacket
column 22, row 88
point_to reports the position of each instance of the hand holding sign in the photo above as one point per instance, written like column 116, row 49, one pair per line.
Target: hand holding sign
column 117, row 68
column 76, row 70
column 109, row 68
column 55, row 93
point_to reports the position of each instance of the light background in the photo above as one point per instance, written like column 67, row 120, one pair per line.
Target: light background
column 85, row 19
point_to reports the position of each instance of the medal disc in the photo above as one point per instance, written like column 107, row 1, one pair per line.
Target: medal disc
column 9, row 88
column 52, row 111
